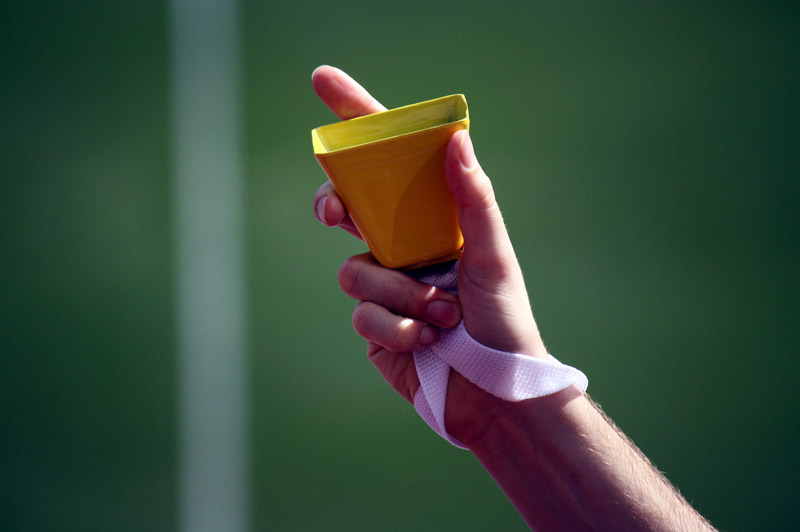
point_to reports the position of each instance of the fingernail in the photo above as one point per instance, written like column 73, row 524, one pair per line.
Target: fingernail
column 444, row 313
column 466, row 152
column 321, row 209
column 428, row 336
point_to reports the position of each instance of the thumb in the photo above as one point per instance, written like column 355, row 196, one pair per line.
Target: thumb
column 485, row 237
column 494, row 301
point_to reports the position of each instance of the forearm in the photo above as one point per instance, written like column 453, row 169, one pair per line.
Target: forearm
column 564, row 466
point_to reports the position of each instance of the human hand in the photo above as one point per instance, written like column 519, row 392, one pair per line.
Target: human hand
column 397, row 314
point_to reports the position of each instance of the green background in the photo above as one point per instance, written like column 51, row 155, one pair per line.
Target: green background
column 645, row 157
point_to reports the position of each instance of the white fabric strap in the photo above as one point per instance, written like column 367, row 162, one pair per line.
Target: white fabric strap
column 509, row 376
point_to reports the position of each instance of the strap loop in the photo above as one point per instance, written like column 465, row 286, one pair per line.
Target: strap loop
column 509, row 376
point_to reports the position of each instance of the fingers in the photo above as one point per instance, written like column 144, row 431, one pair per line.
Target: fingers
column 398, row 334
column 330, row 210
column 396, row 315
column 342, row 94
column 362, row 278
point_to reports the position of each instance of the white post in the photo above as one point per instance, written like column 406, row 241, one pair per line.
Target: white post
column 210, row 298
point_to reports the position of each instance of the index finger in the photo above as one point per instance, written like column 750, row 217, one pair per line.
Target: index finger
column 342, row 94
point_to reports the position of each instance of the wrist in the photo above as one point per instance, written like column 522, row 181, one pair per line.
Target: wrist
column 483, row 422
column 469, row 410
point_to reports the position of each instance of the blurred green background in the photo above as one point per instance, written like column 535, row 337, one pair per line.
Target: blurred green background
column 646, row 160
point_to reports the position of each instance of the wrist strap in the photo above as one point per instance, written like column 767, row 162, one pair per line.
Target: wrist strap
column 509, row 376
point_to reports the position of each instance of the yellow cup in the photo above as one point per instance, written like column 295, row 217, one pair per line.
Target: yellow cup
column 388, row 169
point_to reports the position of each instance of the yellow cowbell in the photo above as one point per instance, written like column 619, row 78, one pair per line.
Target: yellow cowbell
column 388, row 169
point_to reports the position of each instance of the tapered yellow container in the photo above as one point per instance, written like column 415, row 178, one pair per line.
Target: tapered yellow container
column 388, row 169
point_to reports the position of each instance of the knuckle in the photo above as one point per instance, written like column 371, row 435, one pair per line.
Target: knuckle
column 398, row 338
column 484, row 199
column 362, row 320
column 407, row 302
column 405, row 334
column 370, row 322
column 350, row 275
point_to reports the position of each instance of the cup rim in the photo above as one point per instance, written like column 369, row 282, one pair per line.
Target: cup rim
column 396, row 115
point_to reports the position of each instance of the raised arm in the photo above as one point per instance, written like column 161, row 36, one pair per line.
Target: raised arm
column 561, row 462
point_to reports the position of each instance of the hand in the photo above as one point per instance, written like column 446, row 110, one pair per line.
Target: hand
column 396, row 312
column 532, row 448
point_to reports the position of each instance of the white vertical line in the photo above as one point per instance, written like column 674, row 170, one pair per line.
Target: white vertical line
column 208, row 207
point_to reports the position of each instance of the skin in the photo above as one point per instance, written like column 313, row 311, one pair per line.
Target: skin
column 562, row 463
